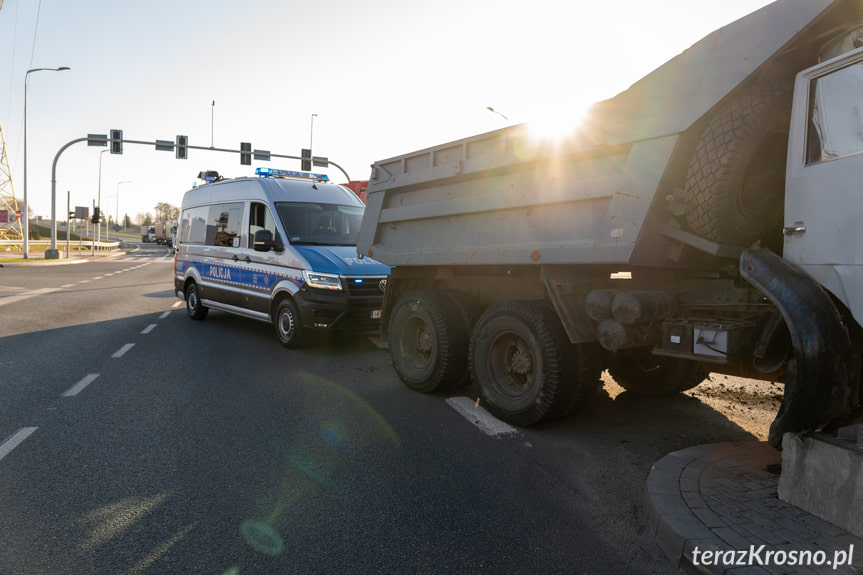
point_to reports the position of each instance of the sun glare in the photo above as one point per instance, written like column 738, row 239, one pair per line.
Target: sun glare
column 556, row 124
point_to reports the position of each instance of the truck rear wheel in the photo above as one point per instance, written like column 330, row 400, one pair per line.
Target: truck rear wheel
column 523, row 364
column 428, row 342
column 736, row 182
column 642, row 373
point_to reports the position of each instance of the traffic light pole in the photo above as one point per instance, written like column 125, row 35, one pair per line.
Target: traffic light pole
column 102, row 140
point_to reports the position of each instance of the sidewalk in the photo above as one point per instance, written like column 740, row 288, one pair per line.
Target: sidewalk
column 37, row 258
column 722, row 498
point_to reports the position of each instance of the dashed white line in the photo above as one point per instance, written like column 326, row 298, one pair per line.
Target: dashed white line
column 486, row 422
column 68, row 286
column 164, row 315
column 16, row 440
column 120, row 352
column 178, row 304
column 79, row 387
column 148, row 329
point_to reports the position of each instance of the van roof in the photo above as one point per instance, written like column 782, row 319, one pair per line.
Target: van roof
column 272, row 190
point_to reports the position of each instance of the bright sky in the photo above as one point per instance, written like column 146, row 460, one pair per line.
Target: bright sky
column 384, row 77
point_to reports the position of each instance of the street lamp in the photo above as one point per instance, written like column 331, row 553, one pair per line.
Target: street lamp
column 312, row 133
column 26, row 204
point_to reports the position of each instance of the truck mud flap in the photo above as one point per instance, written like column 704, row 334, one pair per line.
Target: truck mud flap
column 817, row 384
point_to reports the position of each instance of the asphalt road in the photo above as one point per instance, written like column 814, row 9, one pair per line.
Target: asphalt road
column 134, row 440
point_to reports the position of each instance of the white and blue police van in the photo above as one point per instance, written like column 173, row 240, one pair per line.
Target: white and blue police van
column 279, row 248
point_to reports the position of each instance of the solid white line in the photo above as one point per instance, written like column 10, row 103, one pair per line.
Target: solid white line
column 123, row 350
column 79, row 387
column 486, row 422
column 164, row 315
column 15, row 440
column 149, row 328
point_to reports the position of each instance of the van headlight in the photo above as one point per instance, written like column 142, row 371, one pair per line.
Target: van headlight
column 323, row 281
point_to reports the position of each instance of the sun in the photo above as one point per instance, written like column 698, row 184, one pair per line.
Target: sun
column 556, row 123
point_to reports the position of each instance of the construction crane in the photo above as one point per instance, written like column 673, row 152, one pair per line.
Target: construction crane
column 10, row 224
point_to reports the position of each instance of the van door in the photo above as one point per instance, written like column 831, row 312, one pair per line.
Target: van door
column 824, row 185
column 220, row 269
column 260, row 270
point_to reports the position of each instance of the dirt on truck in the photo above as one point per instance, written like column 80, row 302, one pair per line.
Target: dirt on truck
column 708, row 219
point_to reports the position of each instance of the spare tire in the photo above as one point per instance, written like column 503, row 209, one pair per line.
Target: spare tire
column 735, row 186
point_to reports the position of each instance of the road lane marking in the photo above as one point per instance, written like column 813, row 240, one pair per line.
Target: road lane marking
column 120, row 352
column 148, row 329
column 16, row 298
column 486, row 422
column 68, row 286
column 79, row 387
column 15, row 440
column 97, row 278
column 178, row 304
column 164, row 315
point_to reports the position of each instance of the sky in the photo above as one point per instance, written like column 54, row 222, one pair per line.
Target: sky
column 358, row 81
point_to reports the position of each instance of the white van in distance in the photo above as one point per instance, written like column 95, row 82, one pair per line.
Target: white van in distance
column 279, row 248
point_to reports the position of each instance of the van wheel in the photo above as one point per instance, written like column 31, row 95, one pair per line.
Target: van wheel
column 288, row 327
column 428, row 341
column 193, row 302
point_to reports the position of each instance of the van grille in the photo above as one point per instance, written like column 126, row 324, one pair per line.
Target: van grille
column 364, row 286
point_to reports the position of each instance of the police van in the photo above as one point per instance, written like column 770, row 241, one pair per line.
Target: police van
column 279, row 248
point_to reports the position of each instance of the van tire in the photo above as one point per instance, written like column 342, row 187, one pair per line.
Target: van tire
column 288, row 326
column 735, row 186
column 428, row 341
column 193, row 302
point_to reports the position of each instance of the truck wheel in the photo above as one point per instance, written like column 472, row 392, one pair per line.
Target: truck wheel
column 642, row 373
column 521, row 360
column 428, row 341
column 288, row 327
column 736, row 182
column 193, row 302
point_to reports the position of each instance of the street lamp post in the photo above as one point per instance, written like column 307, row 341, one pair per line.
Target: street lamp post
column 26, row 204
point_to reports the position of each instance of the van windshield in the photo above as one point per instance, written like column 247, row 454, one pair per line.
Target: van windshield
column 320, row 224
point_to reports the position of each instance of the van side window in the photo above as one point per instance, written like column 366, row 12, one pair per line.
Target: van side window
column 224, row 225
column 193, row 225
column 260, row 218
column 835, row 115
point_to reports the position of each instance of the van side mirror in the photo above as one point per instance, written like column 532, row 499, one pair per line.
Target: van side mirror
column 263, row 241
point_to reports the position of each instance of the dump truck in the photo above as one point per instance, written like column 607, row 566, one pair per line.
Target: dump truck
column 707, row 219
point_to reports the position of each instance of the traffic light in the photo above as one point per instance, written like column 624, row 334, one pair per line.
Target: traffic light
column 116, row 141
column 306, row 163
column 181, row 151
column 96, row 215
column 245, row 153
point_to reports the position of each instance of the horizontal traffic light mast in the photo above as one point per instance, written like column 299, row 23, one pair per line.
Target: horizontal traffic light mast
column 180, row 146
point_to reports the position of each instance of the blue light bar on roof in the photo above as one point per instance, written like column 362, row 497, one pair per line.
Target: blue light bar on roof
column 276, row 173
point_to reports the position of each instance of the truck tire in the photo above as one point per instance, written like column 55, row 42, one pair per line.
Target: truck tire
column 642, row 373
column 193, row 302
column 524, row 365
column 469, row 310
column 736, row 181
column 428, row 341
column 288, row 326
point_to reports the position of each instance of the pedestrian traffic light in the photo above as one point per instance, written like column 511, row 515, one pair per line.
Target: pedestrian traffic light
column 116, row 141
column 306, row 163
column 96, row 215
column 245, row 153
column 181, row 151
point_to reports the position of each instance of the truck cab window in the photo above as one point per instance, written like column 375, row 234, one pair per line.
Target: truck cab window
column 836, row 115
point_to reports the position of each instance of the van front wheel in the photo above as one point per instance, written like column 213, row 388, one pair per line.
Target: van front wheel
column 288, row 327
